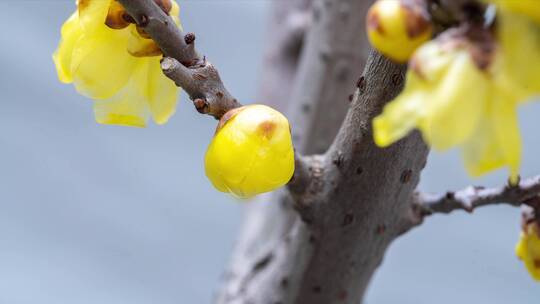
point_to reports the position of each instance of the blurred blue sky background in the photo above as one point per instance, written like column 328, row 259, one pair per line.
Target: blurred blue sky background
column 111, row 215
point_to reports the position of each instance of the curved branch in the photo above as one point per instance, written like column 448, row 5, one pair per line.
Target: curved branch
column 185, row 67
column 470, row 198
column 162, row 29
column 183, row 64
column 302, row 174
column 203, row 85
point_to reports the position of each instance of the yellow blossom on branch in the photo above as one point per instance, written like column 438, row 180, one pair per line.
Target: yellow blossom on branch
column 462, row 92
column 110, row 59
column 528, row 249
column 251, row 152
column 529, row 8
column 517, row 67
column 453, row 96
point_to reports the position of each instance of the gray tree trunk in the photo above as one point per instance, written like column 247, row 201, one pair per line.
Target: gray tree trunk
column 351, row 210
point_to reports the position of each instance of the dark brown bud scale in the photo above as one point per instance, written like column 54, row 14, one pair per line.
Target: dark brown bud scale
column 115, row 17
column 417, row 20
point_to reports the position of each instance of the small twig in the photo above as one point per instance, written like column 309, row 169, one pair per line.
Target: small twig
column 470, row 198
column 162, row 29
column 182, row 63
column 203, row 85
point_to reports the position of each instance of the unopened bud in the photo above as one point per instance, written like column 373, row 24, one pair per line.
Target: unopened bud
column 251, row 152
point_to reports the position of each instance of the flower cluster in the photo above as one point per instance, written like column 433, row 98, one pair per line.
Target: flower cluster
column 113, row 61
column 463, row 88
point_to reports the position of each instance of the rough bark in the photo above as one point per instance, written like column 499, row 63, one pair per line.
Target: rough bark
column 355, row 208
column 329, row 255
column 204, row 86
column 474, row 197
column 321, row 240
column 183, row 64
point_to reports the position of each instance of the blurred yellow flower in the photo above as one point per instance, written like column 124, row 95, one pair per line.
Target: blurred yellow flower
column 517, row 68
column 108, row 59
column 458, row 100
column 529, row 8
column 251, row 152
column 528, row 249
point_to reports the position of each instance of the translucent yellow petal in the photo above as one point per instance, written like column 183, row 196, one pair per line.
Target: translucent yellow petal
column 482, row 153
column 455, row 104
column 398, row 118
column 497, row 141
column 528, row 8
column 443, row 96
column 71, row 32
column 160, row 92
column 127, row 108
column 517, row 65
column 528, row 250
column 93, row 13
column 101, row 65
column 175, row 13
column 506, row 128
column 141, row 47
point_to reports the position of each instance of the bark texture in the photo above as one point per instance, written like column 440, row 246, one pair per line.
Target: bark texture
column 182, row 63
column 472, row 197
column 357, row 192
column 322, row 239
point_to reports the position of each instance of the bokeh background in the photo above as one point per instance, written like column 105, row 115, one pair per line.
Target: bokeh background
column 110, row 215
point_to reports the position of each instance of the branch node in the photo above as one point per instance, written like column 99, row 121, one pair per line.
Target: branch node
column 524, row 192
column 201, row 105
column 189, row 38
column 143, row 21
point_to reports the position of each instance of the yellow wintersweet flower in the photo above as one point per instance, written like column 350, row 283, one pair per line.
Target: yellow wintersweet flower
column 528, row 249
column 519, row 55
column 110, row 60
column 455, row 101
column 396, row 29
column 529, row 8
column 251, row 152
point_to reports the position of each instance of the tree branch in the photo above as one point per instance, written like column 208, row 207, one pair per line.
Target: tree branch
column 162, row 29
column 323, row 70
column 198, row 77
column 303, row 174
column 470, row 198
column 203, row 85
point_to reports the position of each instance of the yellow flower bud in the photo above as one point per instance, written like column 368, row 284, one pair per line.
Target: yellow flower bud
column 396, row 29
column 528, row 249
column 251, row 152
